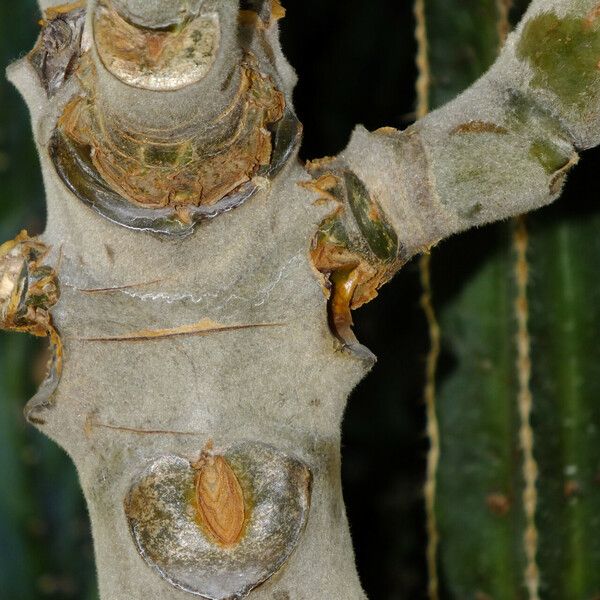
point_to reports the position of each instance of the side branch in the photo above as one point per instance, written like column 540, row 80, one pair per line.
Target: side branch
column 502, row 148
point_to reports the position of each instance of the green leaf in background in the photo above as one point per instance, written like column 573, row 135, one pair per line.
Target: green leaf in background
column 482, row 402
column 565, row 322
column 479, row 487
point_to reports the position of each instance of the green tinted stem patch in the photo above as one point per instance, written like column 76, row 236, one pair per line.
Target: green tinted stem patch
column 565, row 54
column 378, row 233
column 551, row 157
column 333, row 231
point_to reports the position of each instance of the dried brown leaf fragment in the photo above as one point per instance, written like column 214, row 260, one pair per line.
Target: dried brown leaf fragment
column 28, row 287
column 355, row 249
column 28, row 291
column 59, row 47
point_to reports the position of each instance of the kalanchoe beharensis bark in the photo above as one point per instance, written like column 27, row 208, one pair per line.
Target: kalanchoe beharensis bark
column 152, row 117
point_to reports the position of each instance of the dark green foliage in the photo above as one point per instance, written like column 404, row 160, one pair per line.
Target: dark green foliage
column 565, row 311
column 480, row 504
column 482, row 538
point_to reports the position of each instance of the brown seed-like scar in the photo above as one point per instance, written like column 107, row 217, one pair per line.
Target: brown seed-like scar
column 219, row 498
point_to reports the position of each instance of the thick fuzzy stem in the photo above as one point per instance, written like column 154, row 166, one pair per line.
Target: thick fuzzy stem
column 230, row 308
column 202, row 389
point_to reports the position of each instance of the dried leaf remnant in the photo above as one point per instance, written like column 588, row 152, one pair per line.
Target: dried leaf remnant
column 178, row 168
column 356, row 248
column 261, row 14
column 28, row 291
column 167, row 180
column 28, row 288
column 59, row 46
column 278, row 10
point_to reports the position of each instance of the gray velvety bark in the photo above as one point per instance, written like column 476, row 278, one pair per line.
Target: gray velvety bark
column 180, row 350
